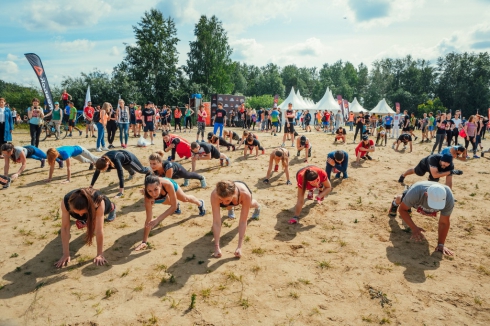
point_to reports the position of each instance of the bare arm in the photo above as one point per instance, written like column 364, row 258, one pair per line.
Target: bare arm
column 7, row 165
column 269, row 171
column 327, row 187
column 169, row 173
column 149, row 213
column 99, row 231
column 436, row 174
column 216, row 218
column 242, row 224
column 299, row 201
column 65, row 236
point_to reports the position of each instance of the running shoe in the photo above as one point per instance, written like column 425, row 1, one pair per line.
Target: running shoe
column 476, row 156
column 202, row 209
column 178, row 211
column 93, row 136
column 283, row 145
column 369, row 157
column 393, row 210
column 99, row 149
column 86, row 136
column 401, row 179
column 112, row 215
column 7, row 184
column 256, row 213
column 228, row 162
column 105, row 148
column 231, row 213
column 43, row 163
column 298, row 153
column 152, row 143
column 221, row 161
column 310, row 194
column 186, row 183
column 393, row 146
column 60, row 163
column 82, row 133
column 482, row 154
column 203, row 183
column 131, row 176
column 91, row 167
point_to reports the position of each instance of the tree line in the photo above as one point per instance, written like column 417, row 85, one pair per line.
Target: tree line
column 150, row 71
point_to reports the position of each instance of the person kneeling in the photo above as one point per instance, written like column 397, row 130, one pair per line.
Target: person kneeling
column 405, row 139
column 365, row 147
column 88, row 206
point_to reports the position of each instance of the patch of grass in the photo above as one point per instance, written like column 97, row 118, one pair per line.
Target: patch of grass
column 294, row 295
column 125, row 273
column 324, row 264
column 174, row 304
column 163, row 280
column 367, row 319
column 83, row 259
column 383, row 268
column 244, row 303
column 210, row 233
column 256, row 269
column 431, row 276
column 258, row 251
column 247, row 239
column 109, row 293
column 314, row 311
column 304, row 281
column 385, row 321
column 172, row 279
column 227, row 224
column 233, row 277
column 206, row 293
column 139, row 288
column 28, row 243
column 174, row 253
column 153, row 319
column 161, row 267
column 193, row 301
column 473, row 194
column 342, row 243
column 222, row 287
column 478, row 300
column 483, row 270
column 14, row 255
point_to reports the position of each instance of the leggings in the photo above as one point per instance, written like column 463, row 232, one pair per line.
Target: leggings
column 188, row 121
column 177, row 123
column 35, row 131
column 100, row 134
column 184, row 174
column 111, row 131
column 449, row 137
column 359, row 129
column 201, row 126
column 223, row 142
column 473, row 142
column 455, row 135
column 439, row 141
column 124, row 131
column 252, row 147
column 86, row 157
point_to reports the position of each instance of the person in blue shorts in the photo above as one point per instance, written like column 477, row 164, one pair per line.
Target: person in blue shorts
column 164, row 191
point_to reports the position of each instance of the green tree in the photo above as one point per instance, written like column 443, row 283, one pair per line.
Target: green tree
column 262, row 101
column 152, row 62
column 19, row 97
column 270, row 81
column 430, row 106
column 208, row 61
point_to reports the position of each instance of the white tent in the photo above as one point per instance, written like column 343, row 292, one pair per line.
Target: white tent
column 327, row 103
column 294, row 100
column 382, row 108
column 355, row 107
column 303, row 100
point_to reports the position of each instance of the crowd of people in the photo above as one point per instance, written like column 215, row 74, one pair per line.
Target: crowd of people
column 88, row 206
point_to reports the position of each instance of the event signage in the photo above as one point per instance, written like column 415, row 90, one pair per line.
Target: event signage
column 37, row 65
column 276, row 99
column 345, row 110
column 397, row 106
column 230, row 102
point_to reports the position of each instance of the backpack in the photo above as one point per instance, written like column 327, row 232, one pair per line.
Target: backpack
column 96, row 117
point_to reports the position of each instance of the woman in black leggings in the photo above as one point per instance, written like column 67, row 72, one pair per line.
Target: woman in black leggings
column 119, row 160
column 111, row 127
column 172, row 170
column 219, row 141
column 359, row 125
column 440, row 133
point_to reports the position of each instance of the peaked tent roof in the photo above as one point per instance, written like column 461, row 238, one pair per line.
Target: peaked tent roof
column 356, row 107
column 327, row 103
column 382, row 108
column 292, row 98
column 302, row 99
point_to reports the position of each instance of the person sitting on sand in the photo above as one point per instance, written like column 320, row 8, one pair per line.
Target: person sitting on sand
column 172, row 170
column 437, row 166
column 278, row 154
column 405, row 139
column 88, row 206
column 229, row 194
column 303, row 143
column 428, row 198
column 310, row 178
column 164, row 191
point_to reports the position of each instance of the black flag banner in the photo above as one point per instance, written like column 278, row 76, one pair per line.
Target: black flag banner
column 37, row 65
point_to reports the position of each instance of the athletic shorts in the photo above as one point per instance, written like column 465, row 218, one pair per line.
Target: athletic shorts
column 420, row 170
column 71, row 123
column 388, row 127
column 139, row 121
column 149, row 126
column 326, row 123
column 412, row 128
column 431, row 128
column 87, row 122
column 275, row 124
column 406, row 129
column 177, row 121
column 290, row 129
column 307, row 123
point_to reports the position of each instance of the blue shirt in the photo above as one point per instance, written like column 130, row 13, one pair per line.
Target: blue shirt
column 274, row 116
column 67, row 110
column 69, row 151
column 388, row 120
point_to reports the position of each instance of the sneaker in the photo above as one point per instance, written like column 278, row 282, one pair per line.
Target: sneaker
column 263, row 152
column 228, row 162
column 105, row 148
column 256, row 213
column 364, row 158
column 298, row 153
column 393, row 209
column 81, row 133
column 69, row 135
column 131, row 177
column 112, row 215
column 401, row 179
column 393, row 146
column 86, row 136
column 7, row 184
column 99, row 149
column 482, row 154
column 186, row 183
column 231, row 213
column 283, row 145
column 152, row 143
column 221, row 161
column 369, row 157
column 202, row 209
column 60, row 163
column 275, row 135
column 203, row 183
column 476, row 156
column 119, row 195
column 178, row 211
column 43, row 163
column 91, row 167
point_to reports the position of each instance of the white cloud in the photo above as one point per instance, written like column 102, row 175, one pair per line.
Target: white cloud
column 75, row 46
column 12, row 57
column 8, row 67
column 311, row 47
column 114, row 52
column 59, row 15
column 245, row 49
column 182, row 11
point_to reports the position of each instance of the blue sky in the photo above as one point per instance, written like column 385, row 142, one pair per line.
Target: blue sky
column 78, row 36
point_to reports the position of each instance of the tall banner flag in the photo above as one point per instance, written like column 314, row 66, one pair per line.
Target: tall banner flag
column 346, row 113
column 37, row 65
column 397, row 106
column 276, row 99
column 87, row 97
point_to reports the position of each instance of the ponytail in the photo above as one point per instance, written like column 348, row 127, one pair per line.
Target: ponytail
column 157, row 156
column 310, row 175
column 83, row 199
column 101, row 163
column 52, row 154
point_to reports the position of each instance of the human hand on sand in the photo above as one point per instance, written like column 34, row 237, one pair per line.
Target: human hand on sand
column 417, row 234
column 152, row 223
column 100, row 260
column 444, row 250
column 63, row 261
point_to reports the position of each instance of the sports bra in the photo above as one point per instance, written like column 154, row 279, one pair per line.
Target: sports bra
column 238, row 201
column 162, row 198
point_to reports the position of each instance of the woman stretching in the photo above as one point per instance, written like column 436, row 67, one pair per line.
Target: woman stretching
column 119, row 160
column 172, row 170
column 252, row 143
column 164, row 191
column 64, row 153
column 219, row 141
column 203, row 151
column 229, row 194
column 303, row 143
column 88, row 206
column 279, row 154
column 310, row 178
column 176, row 144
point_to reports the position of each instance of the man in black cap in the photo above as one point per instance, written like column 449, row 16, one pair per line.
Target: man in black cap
column 303, row 143
column 437, row 166
column 405, row 139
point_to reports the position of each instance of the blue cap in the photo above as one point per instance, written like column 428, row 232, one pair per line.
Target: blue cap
column 56, row 103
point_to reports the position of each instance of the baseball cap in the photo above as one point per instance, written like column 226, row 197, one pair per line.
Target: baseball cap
column 302, row 140
column 149, row 102
column 56, row 103
column 366, row 137
column 447, row 158
column 436, row 196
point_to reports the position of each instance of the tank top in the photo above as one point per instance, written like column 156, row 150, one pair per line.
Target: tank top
column 57, row 114
column 95, row 196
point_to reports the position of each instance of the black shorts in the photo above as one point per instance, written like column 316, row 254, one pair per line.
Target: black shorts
column 149, row 126
column 139, row 121
column 406, row 129
column 388, row 127
column 307, row 123
column 215, row 153
column 412, row 128
column 290, row 129
column 71, row 123
column 421, row 170
column 177, row 121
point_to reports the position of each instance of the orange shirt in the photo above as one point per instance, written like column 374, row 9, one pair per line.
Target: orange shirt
column 301, row 174
column 177, row 113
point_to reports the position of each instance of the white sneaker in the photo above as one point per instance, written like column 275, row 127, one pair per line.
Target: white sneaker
column 99, row 149
column 152, row 143
column 105, row 148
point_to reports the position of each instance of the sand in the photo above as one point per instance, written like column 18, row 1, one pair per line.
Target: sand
column 346, row 263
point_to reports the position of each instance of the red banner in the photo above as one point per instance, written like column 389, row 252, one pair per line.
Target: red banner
column 397, row 106
column 345, row 113
column 276, row 99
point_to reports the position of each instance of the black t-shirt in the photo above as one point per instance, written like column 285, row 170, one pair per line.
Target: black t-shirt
column 255, row 143
column 366, row 118
column 266, row 113
column 405, row 138
column 290, row 112
column 360, row 121
column 433, row 160
column 308, row 117
column 220, row 116
column 449, row 123
column 341, row 132
column 148, row 114
column 406, row 121
column 167, row 165
column 442, row 127
column 95, row 197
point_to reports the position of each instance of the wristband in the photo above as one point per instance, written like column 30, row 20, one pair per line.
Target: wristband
column 440, row 244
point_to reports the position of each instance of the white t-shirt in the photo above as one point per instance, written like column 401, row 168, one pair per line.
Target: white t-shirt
column 457, row 122
column 397, row 118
